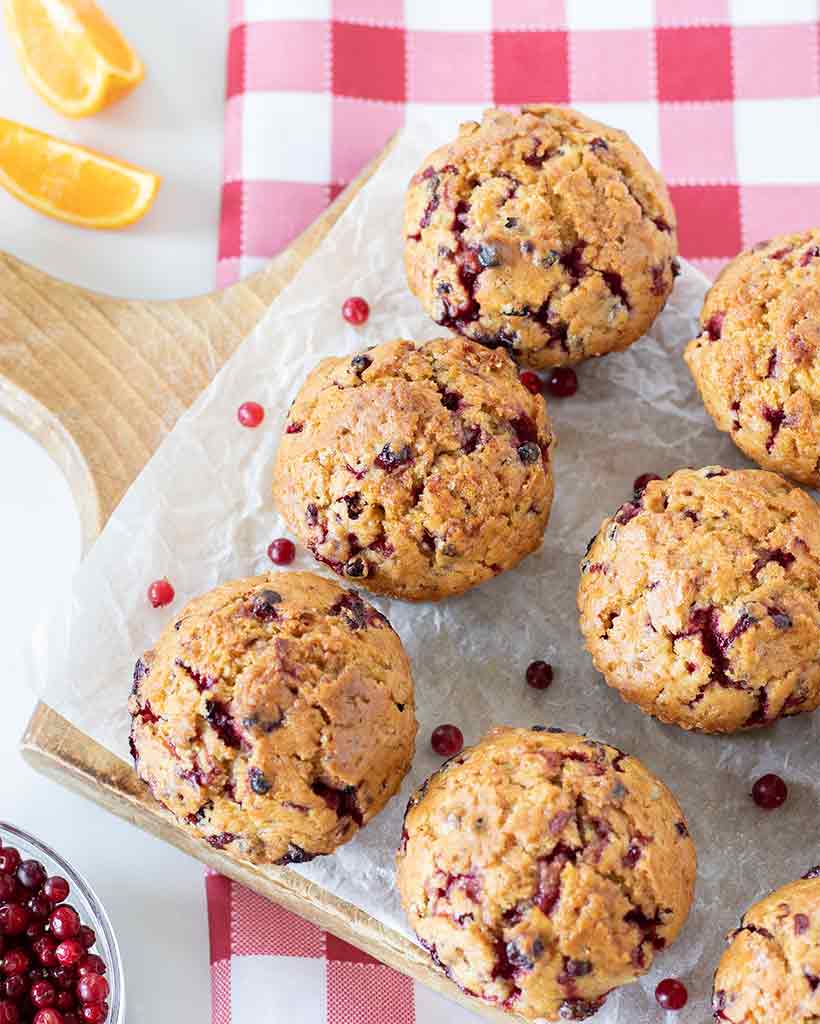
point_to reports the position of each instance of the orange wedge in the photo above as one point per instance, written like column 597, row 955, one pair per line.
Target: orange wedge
column 70, row 182
column 74, row 56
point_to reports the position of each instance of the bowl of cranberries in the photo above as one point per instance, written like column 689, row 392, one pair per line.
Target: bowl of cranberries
column 59, row 960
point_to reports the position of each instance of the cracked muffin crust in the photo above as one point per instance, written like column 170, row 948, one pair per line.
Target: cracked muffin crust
column 770, row 974
column 698, row 599
column 544, row 233
column 756, row 361
column 275, row 717
column 417, row 470
column 541, row 870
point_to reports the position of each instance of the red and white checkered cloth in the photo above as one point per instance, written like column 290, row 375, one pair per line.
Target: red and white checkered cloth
column 722, row 95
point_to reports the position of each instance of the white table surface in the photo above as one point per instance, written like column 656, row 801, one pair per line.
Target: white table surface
column 172, row 125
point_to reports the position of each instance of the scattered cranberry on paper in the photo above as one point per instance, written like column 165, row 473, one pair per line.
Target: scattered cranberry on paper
column 769, row 792
column 250, row 414
column 355, row 310
column 562, row 382
column 671, row 994
column 447, row 740
column 160, row 593
column 281, row 551
column 539, row 675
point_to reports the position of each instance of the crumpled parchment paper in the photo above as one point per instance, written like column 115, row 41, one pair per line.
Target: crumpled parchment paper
column 201, row 513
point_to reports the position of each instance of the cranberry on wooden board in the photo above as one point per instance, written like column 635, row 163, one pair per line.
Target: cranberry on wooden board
column 250, row 414
column 281, row 551
column 160, row 593
column 671, row 994
column 770, row 792
column 447, row 740
column 562, row 382
column 355, row 310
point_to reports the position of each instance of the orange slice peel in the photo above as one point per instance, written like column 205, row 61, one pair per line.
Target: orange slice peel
column 72, row 183
column 72, row 54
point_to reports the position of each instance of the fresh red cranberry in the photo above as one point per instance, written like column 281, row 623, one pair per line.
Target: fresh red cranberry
column 87, row 936
column 31, row 874
column 69, row 953
column 35, row 929
column 56, row 889
column 16, row 986
column 769, row 792
column 92, row 988
column 8, row 887
column 160, row 593
column 39, row 906
column 562, row 382
column 671, row 994
column 9, row 1014
column 13, row 919
column 71, row 1018
column 281, row 551
column 49, row 1016
column 447, row 740
column 94, row 1013
column 92, row 964
column 65, row 977
column 250, row 414
column 539, row 675
column 355, row 310
column 65, row 923
column 65, row 1001
column 43, row 949
column 641, row 482
column 9, row 860
column 15, row 962
column 532, row 382
column 42, row 994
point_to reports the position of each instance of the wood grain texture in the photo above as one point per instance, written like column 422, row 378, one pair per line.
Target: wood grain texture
column 99, row 382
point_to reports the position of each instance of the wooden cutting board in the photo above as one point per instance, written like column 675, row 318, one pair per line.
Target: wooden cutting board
column 99, row 382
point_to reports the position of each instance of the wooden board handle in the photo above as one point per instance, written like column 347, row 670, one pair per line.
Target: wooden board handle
column 100, row 381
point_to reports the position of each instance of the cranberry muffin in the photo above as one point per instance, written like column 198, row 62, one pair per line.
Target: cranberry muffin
column 771, row 971
column 541, row 232
column 698, row 599
column 275, row 717
column 757, row 357
column 542, row 869
column 417, row 470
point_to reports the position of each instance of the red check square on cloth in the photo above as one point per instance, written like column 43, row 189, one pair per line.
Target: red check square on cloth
column 722, row 95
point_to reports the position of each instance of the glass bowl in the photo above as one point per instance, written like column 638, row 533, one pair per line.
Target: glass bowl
column 84, row 900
